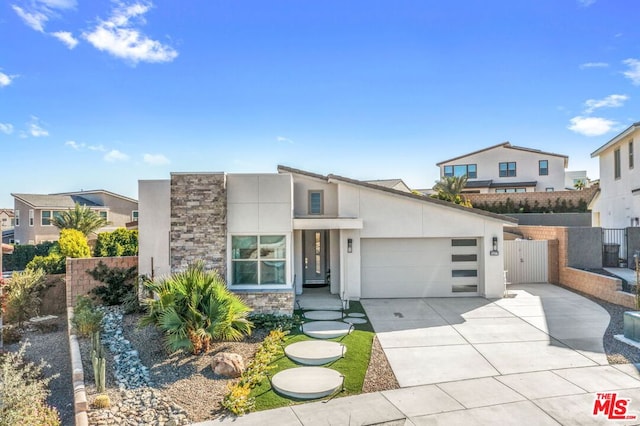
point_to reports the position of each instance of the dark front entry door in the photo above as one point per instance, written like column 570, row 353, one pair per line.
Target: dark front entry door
column 315, row 258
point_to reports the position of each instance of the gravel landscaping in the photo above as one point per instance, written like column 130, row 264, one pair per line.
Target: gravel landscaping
column 183, row 388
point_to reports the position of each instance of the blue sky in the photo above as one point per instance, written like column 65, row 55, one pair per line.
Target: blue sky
column 98, row 94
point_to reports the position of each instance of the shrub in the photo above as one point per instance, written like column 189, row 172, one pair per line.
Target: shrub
column 23, row 254
column 24, row 391
column 120, row 283
column 53, row 263
column 275, row 322
column 121, row 242
column 195, row 307
column 73, row 244
column 86, row 319
column 23, row 299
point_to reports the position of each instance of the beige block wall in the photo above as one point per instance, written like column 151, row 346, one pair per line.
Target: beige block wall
column 541, row 197
column 606, row 288
column 80, row 283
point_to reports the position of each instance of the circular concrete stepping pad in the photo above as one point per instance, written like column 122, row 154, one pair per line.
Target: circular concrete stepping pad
column 307, row 382
column 352, row 320
column 326, row 329
column 315, row 352
column 323, row 315
column 357, row 315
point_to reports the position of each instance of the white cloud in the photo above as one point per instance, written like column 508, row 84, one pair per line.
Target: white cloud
column 67, row 38
column 35, row 129
column 6, row 79
column 59, row 4
column 34, row 18
column 115, row 155
column 75, row 145
column 591, row 126
column 593, row 65
column 283, row 139
column 6, row 128
column 96, row 148
column 611, row 101
column 586, row 3
column 156, row 159
column 633, row 73
column 120, row 37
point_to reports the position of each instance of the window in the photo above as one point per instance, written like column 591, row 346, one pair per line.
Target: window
column 464, row 257
column 550, row 189
column 47, row 215
column 31, row 216
column 458, row 273
column 316, row 202
column 543, row 167
column 466, row 242
column 510, row 190
column 258, row 259
column 103, row 214
column 459, row 170
column 631, row 154
column 134, row 215
column 507, row 169
column 469, row 288
column 17, row 217
column 616, row 163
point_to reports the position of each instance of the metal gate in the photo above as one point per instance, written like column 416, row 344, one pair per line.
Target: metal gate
column 526, row 261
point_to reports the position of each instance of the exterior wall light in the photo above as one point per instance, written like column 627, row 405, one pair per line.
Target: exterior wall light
column 349, row 245
column 494, row 247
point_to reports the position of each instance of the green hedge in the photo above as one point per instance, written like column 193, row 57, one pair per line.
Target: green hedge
column 23, row 254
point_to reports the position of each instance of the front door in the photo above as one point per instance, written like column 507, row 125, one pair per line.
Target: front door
column 315, row 258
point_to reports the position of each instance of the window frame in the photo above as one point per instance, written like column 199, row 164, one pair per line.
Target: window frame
column 32, row 217
column 310, row 210
column 135, row 215
column 467, row 173
column 16, row 217
column 53, row 214
column 617, row 166
column 543, row 171
column 631, row 159
column 258, row 260
column 508, row 172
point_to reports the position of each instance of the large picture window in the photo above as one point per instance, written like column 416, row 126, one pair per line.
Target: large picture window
column 459, row 170
column 259, row 259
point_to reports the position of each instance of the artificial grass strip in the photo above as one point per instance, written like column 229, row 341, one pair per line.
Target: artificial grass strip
column 353, row 366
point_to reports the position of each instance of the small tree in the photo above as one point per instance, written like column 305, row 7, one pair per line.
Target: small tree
column 23, row 298
column 81, row 218
column 121, row 242
column 449, row 188
column 73, row 243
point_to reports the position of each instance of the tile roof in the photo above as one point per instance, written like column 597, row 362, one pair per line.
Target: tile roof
column 54, row 200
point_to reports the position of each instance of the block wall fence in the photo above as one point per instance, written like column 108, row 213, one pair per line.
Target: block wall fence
column 80, row 283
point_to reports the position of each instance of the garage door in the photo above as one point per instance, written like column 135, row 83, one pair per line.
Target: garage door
column 419, row 267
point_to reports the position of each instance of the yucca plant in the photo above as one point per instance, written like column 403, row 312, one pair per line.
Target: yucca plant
column 193, row 308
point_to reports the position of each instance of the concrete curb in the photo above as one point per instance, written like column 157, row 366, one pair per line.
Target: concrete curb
column 80, row 405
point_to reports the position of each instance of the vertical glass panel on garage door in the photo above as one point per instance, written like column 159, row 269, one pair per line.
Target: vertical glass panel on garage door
column 464, row 265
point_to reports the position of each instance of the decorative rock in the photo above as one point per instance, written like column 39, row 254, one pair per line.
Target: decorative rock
column 227, row 364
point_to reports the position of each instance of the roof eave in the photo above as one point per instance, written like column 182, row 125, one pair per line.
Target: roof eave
column 615, row 139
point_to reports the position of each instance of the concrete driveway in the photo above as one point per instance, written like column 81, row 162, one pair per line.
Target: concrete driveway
column 536, row 353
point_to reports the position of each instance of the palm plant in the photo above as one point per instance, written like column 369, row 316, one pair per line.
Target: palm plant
column 450, row 187
column 81, row 218
column 194, row 308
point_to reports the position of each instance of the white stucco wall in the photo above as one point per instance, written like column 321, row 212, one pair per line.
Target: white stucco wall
column 154, row 224
column 301, row 187
column 616, row 205
column 526, row 167
column 387, row 215
column 261, row 204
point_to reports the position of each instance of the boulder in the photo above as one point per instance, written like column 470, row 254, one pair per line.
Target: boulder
column 227, row 364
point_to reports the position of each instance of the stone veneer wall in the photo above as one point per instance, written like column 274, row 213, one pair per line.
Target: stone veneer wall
column 269, row 302
column 600, row 286
column 198, row 221
column 79, row 283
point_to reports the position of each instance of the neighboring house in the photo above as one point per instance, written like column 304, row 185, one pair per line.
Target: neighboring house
column 6, row 219
column 572, row 178
column 505, row 168
column 618, row 204
column 273, row 235
column 33, row 212
column 397, row 184
column 7, row 236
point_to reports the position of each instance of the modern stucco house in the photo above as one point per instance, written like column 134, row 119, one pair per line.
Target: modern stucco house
column 508, row 168
column 33, row 212
column 618, row 203
column 273, row 235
